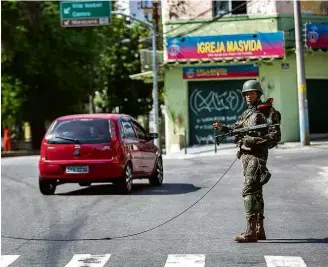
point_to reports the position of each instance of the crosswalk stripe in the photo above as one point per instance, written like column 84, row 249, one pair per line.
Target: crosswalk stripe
column 6, row 260
column 88, row 260
column 285, row 261
column 185, row 260
column 173, row 260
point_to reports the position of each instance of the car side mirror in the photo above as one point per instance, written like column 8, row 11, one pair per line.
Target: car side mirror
column 151, row 136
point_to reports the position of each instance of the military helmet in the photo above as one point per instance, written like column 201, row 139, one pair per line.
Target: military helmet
column 252, row 85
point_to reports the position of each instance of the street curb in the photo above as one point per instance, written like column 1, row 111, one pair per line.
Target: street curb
column 223, row 151
column 229, row 151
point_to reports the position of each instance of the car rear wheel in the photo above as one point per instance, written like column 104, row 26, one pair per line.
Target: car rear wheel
column 47, row 188
column 157, row 177
column 126, row 183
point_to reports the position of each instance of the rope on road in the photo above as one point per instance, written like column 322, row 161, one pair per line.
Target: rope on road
column 124, row 236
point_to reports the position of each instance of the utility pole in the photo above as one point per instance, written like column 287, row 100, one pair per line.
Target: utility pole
column 156, row 18
column 301, row 82
column 155, row 71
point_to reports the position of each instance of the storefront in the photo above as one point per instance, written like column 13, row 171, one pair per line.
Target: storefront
column 205, row 76
column 205, row 67
column 219, row 98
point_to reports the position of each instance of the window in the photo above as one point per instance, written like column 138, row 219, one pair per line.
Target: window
column 112, row 130
column 128, row 129
column 141, row 133
column 146, row 4
column 229, row 7
column 85, row 131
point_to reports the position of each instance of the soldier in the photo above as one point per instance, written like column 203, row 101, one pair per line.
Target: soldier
column 253, row 151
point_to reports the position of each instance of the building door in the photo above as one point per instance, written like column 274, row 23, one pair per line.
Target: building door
column 210, row 100
column 317, row 94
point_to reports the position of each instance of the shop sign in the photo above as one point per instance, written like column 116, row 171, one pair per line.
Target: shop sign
column 316, row 35
column 270, row 44
column 220, row 72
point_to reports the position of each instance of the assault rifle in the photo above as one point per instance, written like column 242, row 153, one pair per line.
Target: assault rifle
column 241, row 131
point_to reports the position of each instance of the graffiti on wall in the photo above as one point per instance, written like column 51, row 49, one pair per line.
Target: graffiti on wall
column 208, row 105
column 213, row 101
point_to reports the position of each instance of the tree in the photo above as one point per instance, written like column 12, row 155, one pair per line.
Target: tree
column 50, row 71
column 119, row 60
column 50, row 61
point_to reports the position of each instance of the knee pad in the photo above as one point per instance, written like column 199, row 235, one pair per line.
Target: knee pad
column 251, row 205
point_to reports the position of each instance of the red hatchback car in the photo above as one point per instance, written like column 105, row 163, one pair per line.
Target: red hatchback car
column 98, row 148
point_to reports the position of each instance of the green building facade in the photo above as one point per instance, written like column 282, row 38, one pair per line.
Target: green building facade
column 206, row 62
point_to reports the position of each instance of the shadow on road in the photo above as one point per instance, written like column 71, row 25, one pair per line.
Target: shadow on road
column 138, row 189
column 297, row 241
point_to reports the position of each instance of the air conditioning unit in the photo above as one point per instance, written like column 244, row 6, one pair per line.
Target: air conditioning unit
column 146, row 59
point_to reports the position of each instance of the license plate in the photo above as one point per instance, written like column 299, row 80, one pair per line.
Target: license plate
column 77, row 169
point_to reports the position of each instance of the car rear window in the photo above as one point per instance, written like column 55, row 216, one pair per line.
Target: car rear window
column 81, row 131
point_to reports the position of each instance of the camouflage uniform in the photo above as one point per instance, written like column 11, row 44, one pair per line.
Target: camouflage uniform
column 253, row 151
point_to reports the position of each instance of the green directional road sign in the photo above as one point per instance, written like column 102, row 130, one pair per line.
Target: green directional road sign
column 85, row 13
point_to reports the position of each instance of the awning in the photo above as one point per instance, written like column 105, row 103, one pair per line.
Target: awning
column 147, row 76
column 222, row 61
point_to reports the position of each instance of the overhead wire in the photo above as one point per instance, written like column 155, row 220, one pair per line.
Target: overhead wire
column 190, row 20
column 207, row 22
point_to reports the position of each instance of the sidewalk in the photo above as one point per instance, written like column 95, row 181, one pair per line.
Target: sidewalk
column 316, row 143
column 19, row 153
column 230, row 149
column 202, row 151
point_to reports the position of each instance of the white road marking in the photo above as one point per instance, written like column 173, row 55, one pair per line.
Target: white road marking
column 6, row 260
column 284, row 261
column 185, row 260
column 88, row 260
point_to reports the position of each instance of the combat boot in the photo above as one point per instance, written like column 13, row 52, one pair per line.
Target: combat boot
column 250, row 234
column 260, row 228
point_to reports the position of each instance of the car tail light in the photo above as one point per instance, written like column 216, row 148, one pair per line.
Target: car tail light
column 43, row 152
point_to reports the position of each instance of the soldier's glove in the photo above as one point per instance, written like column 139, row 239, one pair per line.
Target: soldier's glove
column 248, row 141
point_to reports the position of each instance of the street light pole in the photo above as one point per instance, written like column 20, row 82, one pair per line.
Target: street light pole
column 302, row 97
column 155, row 85
column 152, row 28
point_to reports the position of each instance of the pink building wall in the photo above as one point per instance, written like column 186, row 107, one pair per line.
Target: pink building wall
column 193, row 9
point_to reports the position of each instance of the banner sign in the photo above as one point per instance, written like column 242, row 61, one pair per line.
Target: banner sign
column 269, row 44
column 220, row 72
column 316, row 35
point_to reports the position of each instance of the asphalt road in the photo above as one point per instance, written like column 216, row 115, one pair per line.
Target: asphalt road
column 77, row 220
